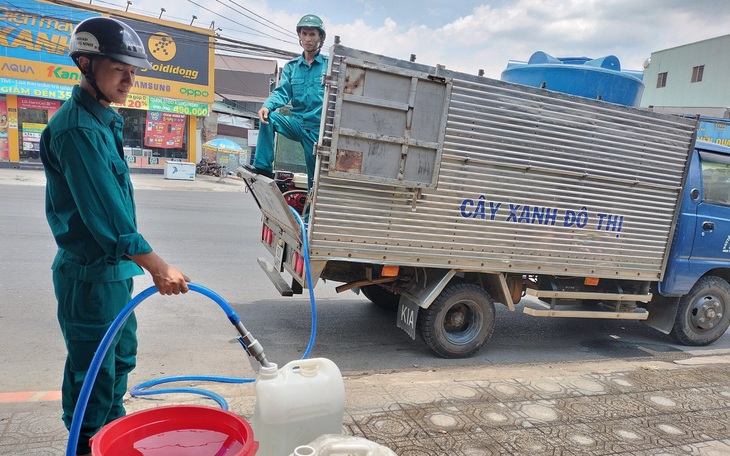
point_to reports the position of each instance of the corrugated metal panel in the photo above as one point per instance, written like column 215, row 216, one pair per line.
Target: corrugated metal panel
column 529, row 181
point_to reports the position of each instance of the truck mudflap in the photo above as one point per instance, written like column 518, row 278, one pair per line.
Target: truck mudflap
column 412, row 300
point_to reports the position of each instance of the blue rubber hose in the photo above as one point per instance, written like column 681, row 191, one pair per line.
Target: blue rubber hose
column 305, row 248
column 95, row 365
column 141, row 389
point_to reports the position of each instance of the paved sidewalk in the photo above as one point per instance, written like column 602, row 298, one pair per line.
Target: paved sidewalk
column 655, row 406
column 147, row 181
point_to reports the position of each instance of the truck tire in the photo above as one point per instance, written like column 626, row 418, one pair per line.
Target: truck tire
column 703, row 315
column 385, row 299
column 459, row 322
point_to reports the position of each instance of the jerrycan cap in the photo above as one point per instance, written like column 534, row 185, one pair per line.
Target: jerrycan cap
column 306, row 370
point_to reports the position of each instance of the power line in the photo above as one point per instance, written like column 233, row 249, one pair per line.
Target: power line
column 288, row 32
column 278, row 29
column 238, row 23
column 274, row 52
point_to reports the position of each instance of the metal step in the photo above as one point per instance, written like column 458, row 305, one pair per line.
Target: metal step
column 587, row 295
column 638, row 314
column 275, row 277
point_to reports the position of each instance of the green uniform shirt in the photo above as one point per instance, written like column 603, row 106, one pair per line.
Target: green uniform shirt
column 89, row 197
column 301, row 85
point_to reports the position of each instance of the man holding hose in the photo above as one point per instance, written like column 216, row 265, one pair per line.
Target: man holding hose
column 91, row 211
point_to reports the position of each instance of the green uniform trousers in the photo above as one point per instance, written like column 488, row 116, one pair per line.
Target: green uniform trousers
column 86, row 310
column 292, row 129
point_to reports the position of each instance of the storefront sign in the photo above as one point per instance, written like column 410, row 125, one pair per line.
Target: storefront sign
column 34, row 38
column 715, row 131
column 34, row 89
column 148, row 103
column 164, row 130
column 183, row 59
column 40, row 72
column 36, row 103
column 190, row 108
column 38, row 30
column 135, row 101
column 178, row 55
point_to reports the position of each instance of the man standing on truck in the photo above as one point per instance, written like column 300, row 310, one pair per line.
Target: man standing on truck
column 91, row 212
column 300, row 85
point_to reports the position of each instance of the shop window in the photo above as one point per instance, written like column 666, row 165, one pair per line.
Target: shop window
column 697, row 73
column 155, row 134
column 661, row 80
column 33, row 115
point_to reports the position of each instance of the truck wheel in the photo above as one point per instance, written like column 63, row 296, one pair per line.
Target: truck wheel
column 704, row 313
column 385, row 299
column 459, row 322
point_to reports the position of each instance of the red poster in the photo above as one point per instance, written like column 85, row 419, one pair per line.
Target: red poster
column 4, row 149
column 164, row 130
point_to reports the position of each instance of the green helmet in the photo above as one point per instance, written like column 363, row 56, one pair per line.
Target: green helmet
column 310, row 20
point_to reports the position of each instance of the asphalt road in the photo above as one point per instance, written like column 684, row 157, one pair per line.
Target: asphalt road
column 213, row 237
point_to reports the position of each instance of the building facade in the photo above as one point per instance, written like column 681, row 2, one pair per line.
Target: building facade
column 690, row 79
column 162, row 111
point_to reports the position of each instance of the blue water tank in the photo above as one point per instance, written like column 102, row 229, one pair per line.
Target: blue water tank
column 600, row 78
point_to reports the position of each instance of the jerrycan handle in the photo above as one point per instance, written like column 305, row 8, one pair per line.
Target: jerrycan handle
column 333, row 449
column 306, row 367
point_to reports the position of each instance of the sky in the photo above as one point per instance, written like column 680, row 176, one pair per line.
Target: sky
column 463, row 35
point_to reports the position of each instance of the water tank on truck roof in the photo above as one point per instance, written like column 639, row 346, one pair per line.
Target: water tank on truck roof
column 600, row 79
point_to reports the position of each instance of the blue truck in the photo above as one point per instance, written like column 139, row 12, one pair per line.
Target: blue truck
column 439, row 194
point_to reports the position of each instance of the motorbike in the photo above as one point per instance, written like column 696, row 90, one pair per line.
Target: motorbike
column 209, row 168
column 293, row 190
column 293, row 187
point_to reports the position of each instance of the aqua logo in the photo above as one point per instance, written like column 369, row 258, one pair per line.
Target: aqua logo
column 15, row 68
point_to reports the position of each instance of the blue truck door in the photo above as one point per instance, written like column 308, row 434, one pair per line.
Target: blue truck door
column 711, row 247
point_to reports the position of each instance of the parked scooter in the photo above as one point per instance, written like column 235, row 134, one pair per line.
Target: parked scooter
column 210, row 168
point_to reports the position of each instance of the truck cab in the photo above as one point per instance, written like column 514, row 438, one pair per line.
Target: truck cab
column 702, row 237
column 693, row 299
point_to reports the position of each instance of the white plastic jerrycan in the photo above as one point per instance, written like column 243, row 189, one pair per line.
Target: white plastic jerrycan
column 333, row 445
column 296, row 404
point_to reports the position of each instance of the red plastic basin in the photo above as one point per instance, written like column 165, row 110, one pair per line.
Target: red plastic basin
column 180, row 430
